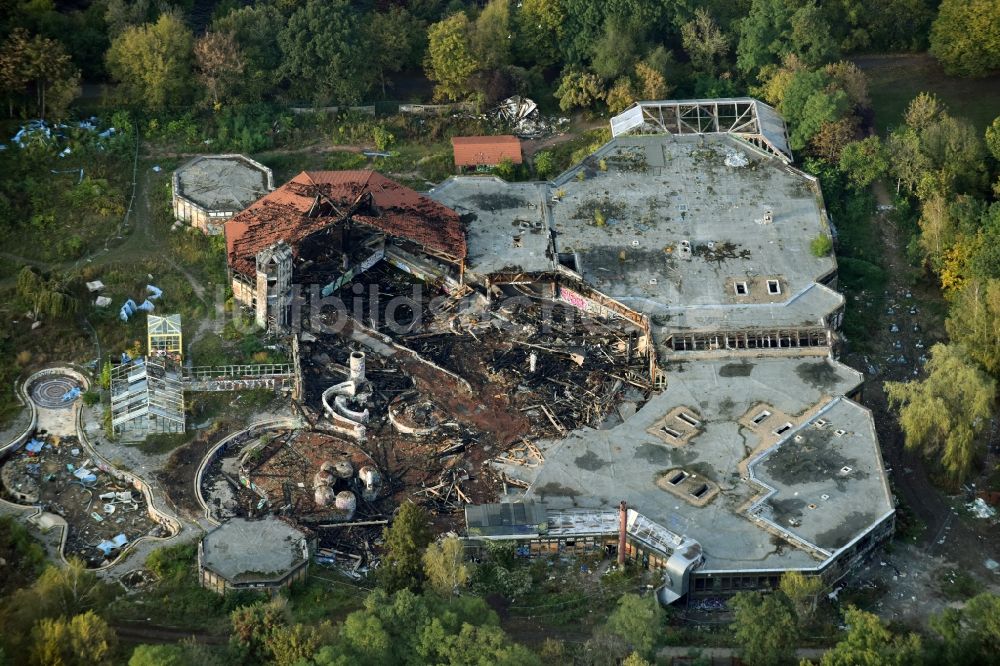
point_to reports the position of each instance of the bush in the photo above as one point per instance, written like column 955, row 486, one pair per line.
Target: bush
column 91, row 398
column 383, row 137
column 821, row 245
column 505, row 170
column 545, row 165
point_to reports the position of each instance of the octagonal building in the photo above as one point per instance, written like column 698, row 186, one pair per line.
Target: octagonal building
column 210, row 189
column 263, row 554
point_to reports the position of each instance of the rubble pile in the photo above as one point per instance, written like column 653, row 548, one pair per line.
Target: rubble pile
column 103, row 513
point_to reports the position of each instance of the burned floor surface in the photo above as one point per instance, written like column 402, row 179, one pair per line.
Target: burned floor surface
column 450, row 386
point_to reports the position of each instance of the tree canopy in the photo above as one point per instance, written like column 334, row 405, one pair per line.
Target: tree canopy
column 943, row 415
column 152, row 62
column 965, row 37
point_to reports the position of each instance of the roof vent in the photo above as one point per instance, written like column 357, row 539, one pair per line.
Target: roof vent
column 635, row 243
column 821, row 423
column 846, row 470
column 799, row 439
column 824, row 497
column 839, row 433
column 684, row 249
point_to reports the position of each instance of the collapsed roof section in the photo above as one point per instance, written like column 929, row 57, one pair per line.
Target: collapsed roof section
column 314, row 200
column 744, row 117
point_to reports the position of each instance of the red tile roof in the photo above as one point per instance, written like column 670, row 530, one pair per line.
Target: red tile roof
column 283, row 215
column 486, row 150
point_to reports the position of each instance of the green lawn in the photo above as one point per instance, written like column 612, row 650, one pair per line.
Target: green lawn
column 894, row 80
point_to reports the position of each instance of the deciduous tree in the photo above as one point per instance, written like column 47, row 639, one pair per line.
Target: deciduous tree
column 965, row 37
column 864, row 161
column 405, row 541
column 445, row 567
column 539, row 31
column 39, row 69
column 152, row 62
column 765, row 628
column 974, row 322
column 254, row 625
column 450, row 61
column 579, row 90
column 220, row 63
column 802, row 591
column 705, row 43
column 638, row 621
column 943, row 415
column 621, row 95
column 969, row 635
column 774, row 28
column 397, row 40
column 253, row 28
column 492, row 35
column 84, row 640
column 869, row 642
column 325, row 55
column 45, row 295
column 652, row 84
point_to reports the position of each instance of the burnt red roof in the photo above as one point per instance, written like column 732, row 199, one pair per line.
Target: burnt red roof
column 486, row 150
column 284, row 215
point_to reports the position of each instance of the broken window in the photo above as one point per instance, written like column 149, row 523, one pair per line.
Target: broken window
column 761, row 417
column 677, row 478
column 773, row 287
column 700, row 491
column 741, row 288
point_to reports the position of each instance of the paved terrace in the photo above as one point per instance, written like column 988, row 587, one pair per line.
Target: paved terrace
column 596, row 469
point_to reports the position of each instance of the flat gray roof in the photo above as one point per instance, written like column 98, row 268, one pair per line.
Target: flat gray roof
column 266, row 548
column 506, row 225
column 654, row 192
column 595, row 469
column 222, row 182
column 827, row 477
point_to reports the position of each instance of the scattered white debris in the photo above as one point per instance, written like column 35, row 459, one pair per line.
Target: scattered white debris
column 736, row 159
column 95, row 285
column 980, row 509
column 992, row 565
column 102, row 301
column 157, row 168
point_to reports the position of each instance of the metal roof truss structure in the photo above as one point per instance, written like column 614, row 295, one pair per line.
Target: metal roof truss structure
column 746, row 118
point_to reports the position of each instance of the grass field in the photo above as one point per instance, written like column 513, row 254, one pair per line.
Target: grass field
column 894, row 80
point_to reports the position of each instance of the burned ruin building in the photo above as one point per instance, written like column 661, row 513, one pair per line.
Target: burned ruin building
column 326, row 227
column 747, row 454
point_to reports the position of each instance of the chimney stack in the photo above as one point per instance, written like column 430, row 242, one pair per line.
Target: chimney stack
column 622, row 525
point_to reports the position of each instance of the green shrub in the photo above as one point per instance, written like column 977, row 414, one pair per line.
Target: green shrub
column 383, row 137
column 91, row 398
column 505, row 170
column 545, row 165
column 821, row 245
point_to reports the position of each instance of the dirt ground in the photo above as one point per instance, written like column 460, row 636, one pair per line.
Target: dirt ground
column 91, row 512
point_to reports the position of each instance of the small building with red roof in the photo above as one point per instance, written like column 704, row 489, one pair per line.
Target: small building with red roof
column 477, row 152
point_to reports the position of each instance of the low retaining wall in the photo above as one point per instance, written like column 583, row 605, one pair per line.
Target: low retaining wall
column 171, row 523
column 220, row 447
